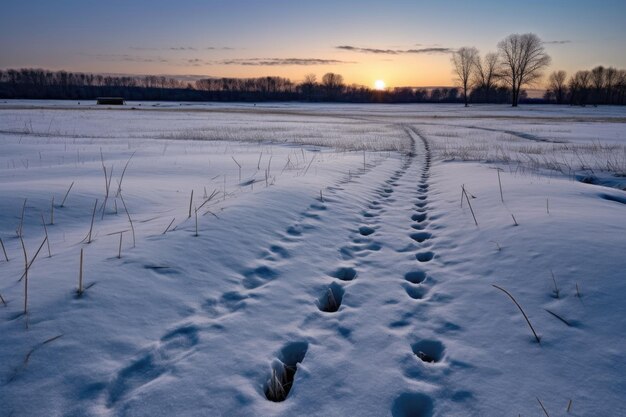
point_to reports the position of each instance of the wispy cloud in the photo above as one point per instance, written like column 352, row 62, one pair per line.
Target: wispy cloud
column 181, row 48
column 562, row 42
column 430, row 50
column 129, row 58
column 282, row 61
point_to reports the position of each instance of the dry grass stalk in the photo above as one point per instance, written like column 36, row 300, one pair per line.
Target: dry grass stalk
column 543, row 408
column 514, row 221
column 132, row 227
column 500, row 183
column 34, row 257
column 469, row 204
column 497, row 245
column 309, row 165
column 119, row 183
column 52, row 211
column 569, row 406
column 276, row 387
column 169, row 225
column 2, row 299
column 93, row 215
column 107, row 183
column 4, row 250
column 46, row 231
column 556, row 288
column 29, row 354
column 119, row 249
column 190, row 204
column 567, row 323
column 80, row 275
column 520, row 309
column 66, row 194
column 21, row 226
column 25, row 280
column 239, row 165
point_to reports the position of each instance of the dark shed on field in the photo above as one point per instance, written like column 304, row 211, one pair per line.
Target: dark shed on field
column 110, row 100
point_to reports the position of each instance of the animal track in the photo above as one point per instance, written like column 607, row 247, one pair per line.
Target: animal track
column 424, row 256
column 284, row 369
column 366, row 230
column 344, row 273
column 152, row 364
column 418, row 217
column 412, row 405
column 259, row 276
column 415, row 277
column 331, row 299
column 416, row 293
column 430, row 351
column 421, row 236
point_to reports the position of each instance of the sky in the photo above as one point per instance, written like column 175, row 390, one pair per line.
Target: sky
column 404, row 43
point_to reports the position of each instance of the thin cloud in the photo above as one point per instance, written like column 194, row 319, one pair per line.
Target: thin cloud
column 563, row 42
column 282, row 61
column 129, row 58
column 368, row 50
column 431, row 50
column 181, row 48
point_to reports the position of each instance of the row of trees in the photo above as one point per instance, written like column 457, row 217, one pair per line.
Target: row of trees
column 598, row 86
column 519, row 62
column 43, row 84
column 41, row 78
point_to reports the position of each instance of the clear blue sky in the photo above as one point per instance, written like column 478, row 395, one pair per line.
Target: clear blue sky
column 293, row 38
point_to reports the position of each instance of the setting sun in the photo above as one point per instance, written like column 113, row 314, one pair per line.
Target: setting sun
column 379, row 85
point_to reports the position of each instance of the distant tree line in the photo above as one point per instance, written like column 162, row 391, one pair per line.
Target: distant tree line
column 30, row 83
column 599, row 86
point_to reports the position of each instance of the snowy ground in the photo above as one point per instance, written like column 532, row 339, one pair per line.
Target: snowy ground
column 303, row 210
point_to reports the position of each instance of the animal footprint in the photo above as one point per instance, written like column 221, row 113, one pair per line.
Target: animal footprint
column 151, row 365
column 284, row 369
column 412, row 404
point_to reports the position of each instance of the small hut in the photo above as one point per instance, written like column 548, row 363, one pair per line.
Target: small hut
column 118, row 101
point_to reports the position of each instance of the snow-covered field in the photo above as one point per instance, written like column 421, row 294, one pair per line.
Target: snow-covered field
column 327, row 253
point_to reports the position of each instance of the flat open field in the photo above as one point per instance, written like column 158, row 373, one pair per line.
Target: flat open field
column 209, row 260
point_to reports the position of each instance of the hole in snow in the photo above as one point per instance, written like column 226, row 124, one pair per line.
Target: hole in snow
column 412, row 404
column 415, row 277
column 418, row 217
column 366, row 230
column 330, row 300
column 425, row 256
column 284, row 370
column 421, row 236
column 416, row 293
column 430, row 351
column 344, row 273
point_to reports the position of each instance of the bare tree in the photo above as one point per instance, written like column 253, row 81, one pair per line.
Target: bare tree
column 333, row 83
column 523, row 58
column 557, row 85
column 308, row 85
column 597, row 78
column 579, row 86
column 610, row 78
column 464, row 61
column 486, row 74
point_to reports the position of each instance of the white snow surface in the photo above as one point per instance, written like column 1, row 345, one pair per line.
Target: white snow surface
column 361, row 204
